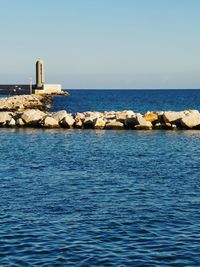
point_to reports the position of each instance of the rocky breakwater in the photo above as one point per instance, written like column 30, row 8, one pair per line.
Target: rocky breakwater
column 26, row 116
column 23, row 110
column 23, row 102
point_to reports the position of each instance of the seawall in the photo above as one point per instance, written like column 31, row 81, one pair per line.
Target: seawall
column 32, row 111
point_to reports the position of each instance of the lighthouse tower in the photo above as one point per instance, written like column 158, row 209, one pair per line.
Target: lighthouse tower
column 41, row 87
column 39, row 74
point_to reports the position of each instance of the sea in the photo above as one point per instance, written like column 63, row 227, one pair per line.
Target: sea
column 102, row 198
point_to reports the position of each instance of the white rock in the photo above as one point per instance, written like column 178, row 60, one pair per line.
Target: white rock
column 190, row 121
column 114, row 125
column 191, row 111
column 12, row 122
column 99, row 123
column 78, row 123
column 5, row 117
column 173, row 116
column 130, row 114
column 142, row 122
column 110, row 117
column 60, row 115
column 68, row 121
column 32, row 116
column 79, row 115
column 123, row 115
column 20, row 122
column 50, row 122
column 92, row 115
column 159, row 113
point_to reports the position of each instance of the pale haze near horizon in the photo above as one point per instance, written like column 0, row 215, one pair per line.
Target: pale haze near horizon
column 102, row 43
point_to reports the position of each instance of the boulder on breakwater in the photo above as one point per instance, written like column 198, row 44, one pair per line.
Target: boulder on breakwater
column 109, row 120
column 32, row 111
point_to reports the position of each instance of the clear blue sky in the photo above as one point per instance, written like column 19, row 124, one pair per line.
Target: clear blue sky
column 102, row 43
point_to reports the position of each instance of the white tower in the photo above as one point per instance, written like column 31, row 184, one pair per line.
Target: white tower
column 39, row 73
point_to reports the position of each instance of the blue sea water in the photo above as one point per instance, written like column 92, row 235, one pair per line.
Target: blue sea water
column 102, row 198
column 137, row 100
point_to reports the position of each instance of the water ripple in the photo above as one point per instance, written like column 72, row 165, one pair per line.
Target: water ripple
column 77, row 199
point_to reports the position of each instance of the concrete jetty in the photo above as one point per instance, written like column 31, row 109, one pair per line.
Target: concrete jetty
column 33, row 111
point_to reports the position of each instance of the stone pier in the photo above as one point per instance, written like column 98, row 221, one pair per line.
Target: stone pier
column 33, row 111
